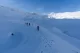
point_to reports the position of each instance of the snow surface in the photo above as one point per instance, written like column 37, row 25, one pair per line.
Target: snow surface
column 54, row 36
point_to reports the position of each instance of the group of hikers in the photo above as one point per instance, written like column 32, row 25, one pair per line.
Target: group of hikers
column 28, row 24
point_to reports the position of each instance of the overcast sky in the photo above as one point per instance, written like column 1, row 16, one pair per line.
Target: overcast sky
column 44, row 6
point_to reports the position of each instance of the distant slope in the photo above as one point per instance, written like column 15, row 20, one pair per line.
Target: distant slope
column 69, row 26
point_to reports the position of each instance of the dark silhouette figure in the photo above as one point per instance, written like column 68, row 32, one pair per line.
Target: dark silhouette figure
column 29, row 24
column 26, row 24
column 38, row 28
column 12, row 34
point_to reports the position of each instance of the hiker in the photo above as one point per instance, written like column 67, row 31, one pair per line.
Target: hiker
column 38, row 28
column 29, row 24
column 26, row 24
column 12, row 34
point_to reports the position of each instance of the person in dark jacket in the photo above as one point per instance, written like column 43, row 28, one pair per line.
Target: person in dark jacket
column 38, row 28
column 26, row 24
column 12, row 34
column 29, row 24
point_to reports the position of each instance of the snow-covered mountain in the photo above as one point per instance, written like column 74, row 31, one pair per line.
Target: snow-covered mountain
column 54, row 36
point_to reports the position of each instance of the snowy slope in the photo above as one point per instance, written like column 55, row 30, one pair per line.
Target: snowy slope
column 54, row 44
column 71, row 27
column 72, row 40
column 27, row 39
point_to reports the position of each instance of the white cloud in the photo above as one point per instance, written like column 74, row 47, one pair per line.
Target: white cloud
column 65, row 15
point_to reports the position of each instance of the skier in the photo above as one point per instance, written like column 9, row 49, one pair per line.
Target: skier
column 38, row 28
